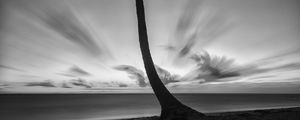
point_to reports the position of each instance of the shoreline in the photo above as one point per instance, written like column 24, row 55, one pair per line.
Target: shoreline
column 291, row 113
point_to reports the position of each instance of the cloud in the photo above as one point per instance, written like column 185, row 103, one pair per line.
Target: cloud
column 198, row 25
column 281, row 55
column 114, row 84
column 11, row 68
column 134, row 73
column 68, row 25
column 47, row 83
column 256, row 69
column 223, row 69
column 80, row 82
column 65, row 74
column 165, row 76
column 62, row 19
column 188, row 17
column 185, row 34
column 123, row 85
column 142, row 80
column 211, row 68
column 75, row 71
column 3, row 86
column 288, row 66
column 66, row 85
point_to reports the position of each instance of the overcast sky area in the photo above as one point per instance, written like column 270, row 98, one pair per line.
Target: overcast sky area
column 92, row 46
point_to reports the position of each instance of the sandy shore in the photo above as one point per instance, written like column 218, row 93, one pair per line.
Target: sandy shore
column 267, row 114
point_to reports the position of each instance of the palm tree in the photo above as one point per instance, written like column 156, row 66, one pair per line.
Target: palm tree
column 172, row 109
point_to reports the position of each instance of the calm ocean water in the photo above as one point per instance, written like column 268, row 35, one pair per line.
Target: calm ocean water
column 110, row 106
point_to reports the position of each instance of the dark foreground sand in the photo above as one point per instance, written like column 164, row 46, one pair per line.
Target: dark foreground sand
column 267, row 114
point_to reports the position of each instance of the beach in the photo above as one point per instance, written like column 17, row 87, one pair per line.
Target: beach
column 265, row 114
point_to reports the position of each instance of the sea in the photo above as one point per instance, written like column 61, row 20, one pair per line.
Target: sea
column 116, row 106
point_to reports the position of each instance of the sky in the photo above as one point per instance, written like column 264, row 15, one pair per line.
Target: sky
column 92, row 46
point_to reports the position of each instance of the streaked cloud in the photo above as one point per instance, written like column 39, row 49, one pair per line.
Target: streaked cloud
column 80, row 82
column 134, row 73
column 11, row 68
column 47, row 83
column 75, row 71
column 165, row 76
column 76, row 43
column 211, row 68
column 67, row 75
column 197, row 27
column 142, row 80
column 62, row 19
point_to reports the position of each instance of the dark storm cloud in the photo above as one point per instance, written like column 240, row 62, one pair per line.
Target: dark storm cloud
column 134, row 73
column 11, row 68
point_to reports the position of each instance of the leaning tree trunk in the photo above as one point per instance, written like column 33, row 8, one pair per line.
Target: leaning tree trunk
column 172, row 109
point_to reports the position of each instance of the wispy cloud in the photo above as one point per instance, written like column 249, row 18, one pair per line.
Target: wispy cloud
column 11, row 68
column 165, row 76
column 196, row 25
column 81, row 82
column 68, row 25
column 223, row 69
column 259, row 70
column 47, row 83
column 134, row 73
column 211, row 68
column 65, row 74
column 61, row 18
column 123, row 85
column 72, row 83
column 291, row 52
column 142, row 80
column 75, row 71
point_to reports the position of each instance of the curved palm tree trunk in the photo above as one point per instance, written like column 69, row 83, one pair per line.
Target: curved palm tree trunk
column 171, row 107
column 164, row 96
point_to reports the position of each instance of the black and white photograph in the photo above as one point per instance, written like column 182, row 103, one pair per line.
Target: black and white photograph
column 149, row 59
